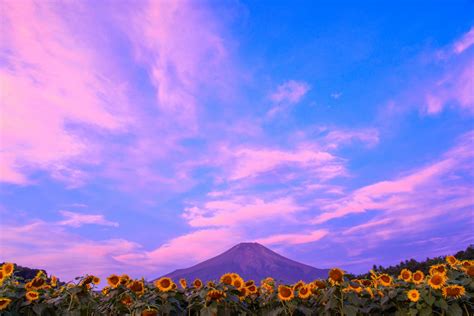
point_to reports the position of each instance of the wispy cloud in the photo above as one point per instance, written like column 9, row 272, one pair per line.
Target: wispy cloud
column 78, row 219
column 286, row 95
column 293, row 239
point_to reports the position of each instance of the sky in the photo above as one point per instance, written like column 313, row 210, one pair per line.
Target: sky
column 144, row 136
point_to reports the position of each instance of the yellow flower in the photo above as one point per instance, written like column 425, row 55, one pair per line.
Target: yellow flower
column 252, row 289
column 2, row 276
column 149, row 312
column 243, row 293
column 285, row 293
column 453, row 291
column 268, row 280
column 413, row 295
column 249, row 283
column 238, row 283
column 54, row 281
column 319, row 284
column 304, row 292
column 124, row 279
column 418, row 277
column 137, row 287
column 437, row 281
column 183, row 283
column 336, row 276
column 113, row 280
column 37, row 283
column 32, row 295
column 451, row 260
column 266, row 287
column 235, row 276
column 197, row 284
column 385, row 279
column 4, row 302
column 438, row 268
column 215, row 295
column 227, row 279
column 8, row 269
column 405, row 275
column 470, row 271
column 96, row 280
column 164, row 284
column 369, row 291
column 298, row 285
column 127, row 300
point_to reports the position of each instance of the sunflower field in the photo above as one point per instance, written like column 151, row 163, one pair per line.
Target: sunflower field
column 446, row 290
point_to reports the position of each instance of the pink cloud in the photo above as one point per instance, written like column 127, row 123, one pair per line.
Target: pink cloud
column 251, row 162
column 39, row 244
column 293, row 239
column 78, row 219
column 290, row 92
column 410, row 193
column 338, row 137
column 236, row 211
column 48, row 82
column 465, row 42
column 183, row 51
column 287, row 94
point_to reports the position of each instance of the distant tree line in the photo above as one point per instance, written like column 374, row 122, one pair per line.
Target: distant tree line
column 424, row 266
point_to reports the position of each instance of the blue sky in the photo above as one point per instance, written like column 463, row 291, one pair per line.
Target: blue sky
column 142, row 137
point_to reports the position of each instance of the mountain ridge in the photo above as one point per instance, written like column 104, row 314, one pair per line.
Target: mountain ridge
column 252, row 261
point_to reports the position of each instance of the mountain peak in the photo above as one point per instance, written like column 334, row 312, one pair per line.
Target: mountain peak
column 252, row 261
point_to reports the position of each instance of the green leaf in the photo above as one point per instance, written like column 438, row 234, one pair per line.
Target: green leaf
column 427, row 311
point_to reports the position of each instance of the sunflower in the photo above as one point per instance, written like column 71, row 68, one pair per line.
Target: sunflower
column 40, row 274
column 298, row 285
column 113, row 280
column 235, row 276
column 32, row 295
column 54, row 281
column 267, row 287
column 418, row 277
column 249, row 283
column 210, row 284
column 164, row 284
column 197, row 284
column 227, row 279
column 243, row 293
column 385, row 279
column 87, row 280
column 413, row 295
column 106, row 290
column 137, row 287
column 320, row 284
column 126, row 300
column 149, row 312
column 268, row 280
column 96, row 280
column 252, row 289
column 451, row 260
column 285, row 293
column 183, row 283
column 437, row 281
column 438, row 268
column 215, row 295
column 405, row 275
column 366, row 282
column 4, row 302
column 336, row 276
column 466, row 263
column 304, row 292
column 238, row 283
column 124, row 279
column 37, row 283
column 2, row 276
column 8, row 268
column 453, row 291
column 469, row 271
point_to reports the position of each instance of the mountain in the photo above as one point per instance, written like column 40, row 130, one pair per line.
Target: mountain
column 251, row 261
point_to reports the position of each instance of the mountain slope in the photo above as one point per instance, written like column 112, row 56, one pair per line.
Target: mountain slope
column 251, row 261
